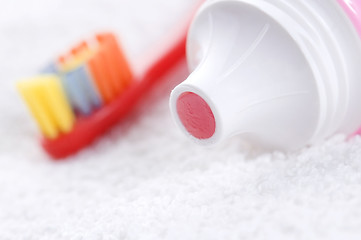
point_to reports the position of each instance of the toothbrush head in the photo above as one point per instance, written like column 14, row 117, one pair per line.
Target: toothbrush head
column 85, row 79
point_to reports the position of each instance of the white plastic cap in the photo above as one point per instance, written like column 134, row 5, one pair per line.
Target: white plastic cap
column 250, row 77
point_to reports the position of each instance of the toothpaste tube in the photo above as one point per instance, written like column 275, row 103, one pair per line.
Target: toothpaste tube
column 282, row 74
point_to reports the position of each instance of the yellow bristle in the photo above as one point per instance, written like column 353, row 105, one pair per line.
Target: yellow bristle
column 47, row 102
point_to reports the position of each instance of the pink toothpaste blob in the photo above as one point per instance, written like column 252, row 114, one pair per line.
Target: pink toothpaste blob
column 196, row 116
column 281, row 74
column 353, row 10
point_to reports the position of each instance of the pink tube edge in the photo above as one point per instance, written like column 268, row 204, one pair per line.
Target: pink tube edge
column 353, row 10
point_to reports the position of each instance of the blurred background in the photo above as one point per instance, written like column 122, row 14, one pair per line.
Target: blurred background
column 144, row 180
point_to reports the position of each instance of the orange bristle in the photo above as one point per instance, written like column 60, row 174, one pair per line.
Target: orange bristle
column 121, row 65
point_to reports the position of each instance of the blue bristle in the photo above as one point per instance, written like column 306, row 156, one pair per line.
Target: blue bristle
column 81, row 91
column 90, row 88
column 75, row 92
column 51, row 68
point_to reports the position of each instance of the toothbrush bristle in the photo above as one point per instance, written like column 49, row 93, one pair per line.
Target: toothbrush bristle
column 82, row 80
column 76, row 59
column 121, row 72
column 98, row 71
column 111, row 69
column 46, row 100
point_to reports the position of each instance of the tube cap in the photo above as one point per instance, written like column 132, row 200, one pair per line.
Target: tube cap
column 250, row 79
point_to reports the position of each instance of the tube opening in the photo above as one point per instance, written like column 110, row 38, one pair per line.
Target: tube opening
column 196, row 115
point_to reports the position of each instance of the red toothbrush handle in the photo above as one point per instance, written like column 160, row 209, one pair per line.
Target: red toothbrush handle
column 88, row 129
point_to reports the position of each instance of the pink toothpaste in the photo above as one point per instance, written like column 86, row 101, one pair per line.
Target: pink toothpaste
column 282, row 74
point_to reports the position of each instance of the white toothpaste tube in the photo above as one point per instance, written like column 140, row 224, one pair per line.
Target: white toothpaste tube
column 280, row 73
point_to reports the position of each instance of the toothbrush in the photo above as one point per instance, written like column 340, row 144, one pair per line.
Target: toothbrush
column 92, row 88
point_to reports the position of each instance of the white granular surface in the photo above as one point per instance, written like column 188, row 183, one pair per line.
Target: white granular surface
column 144, row 180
